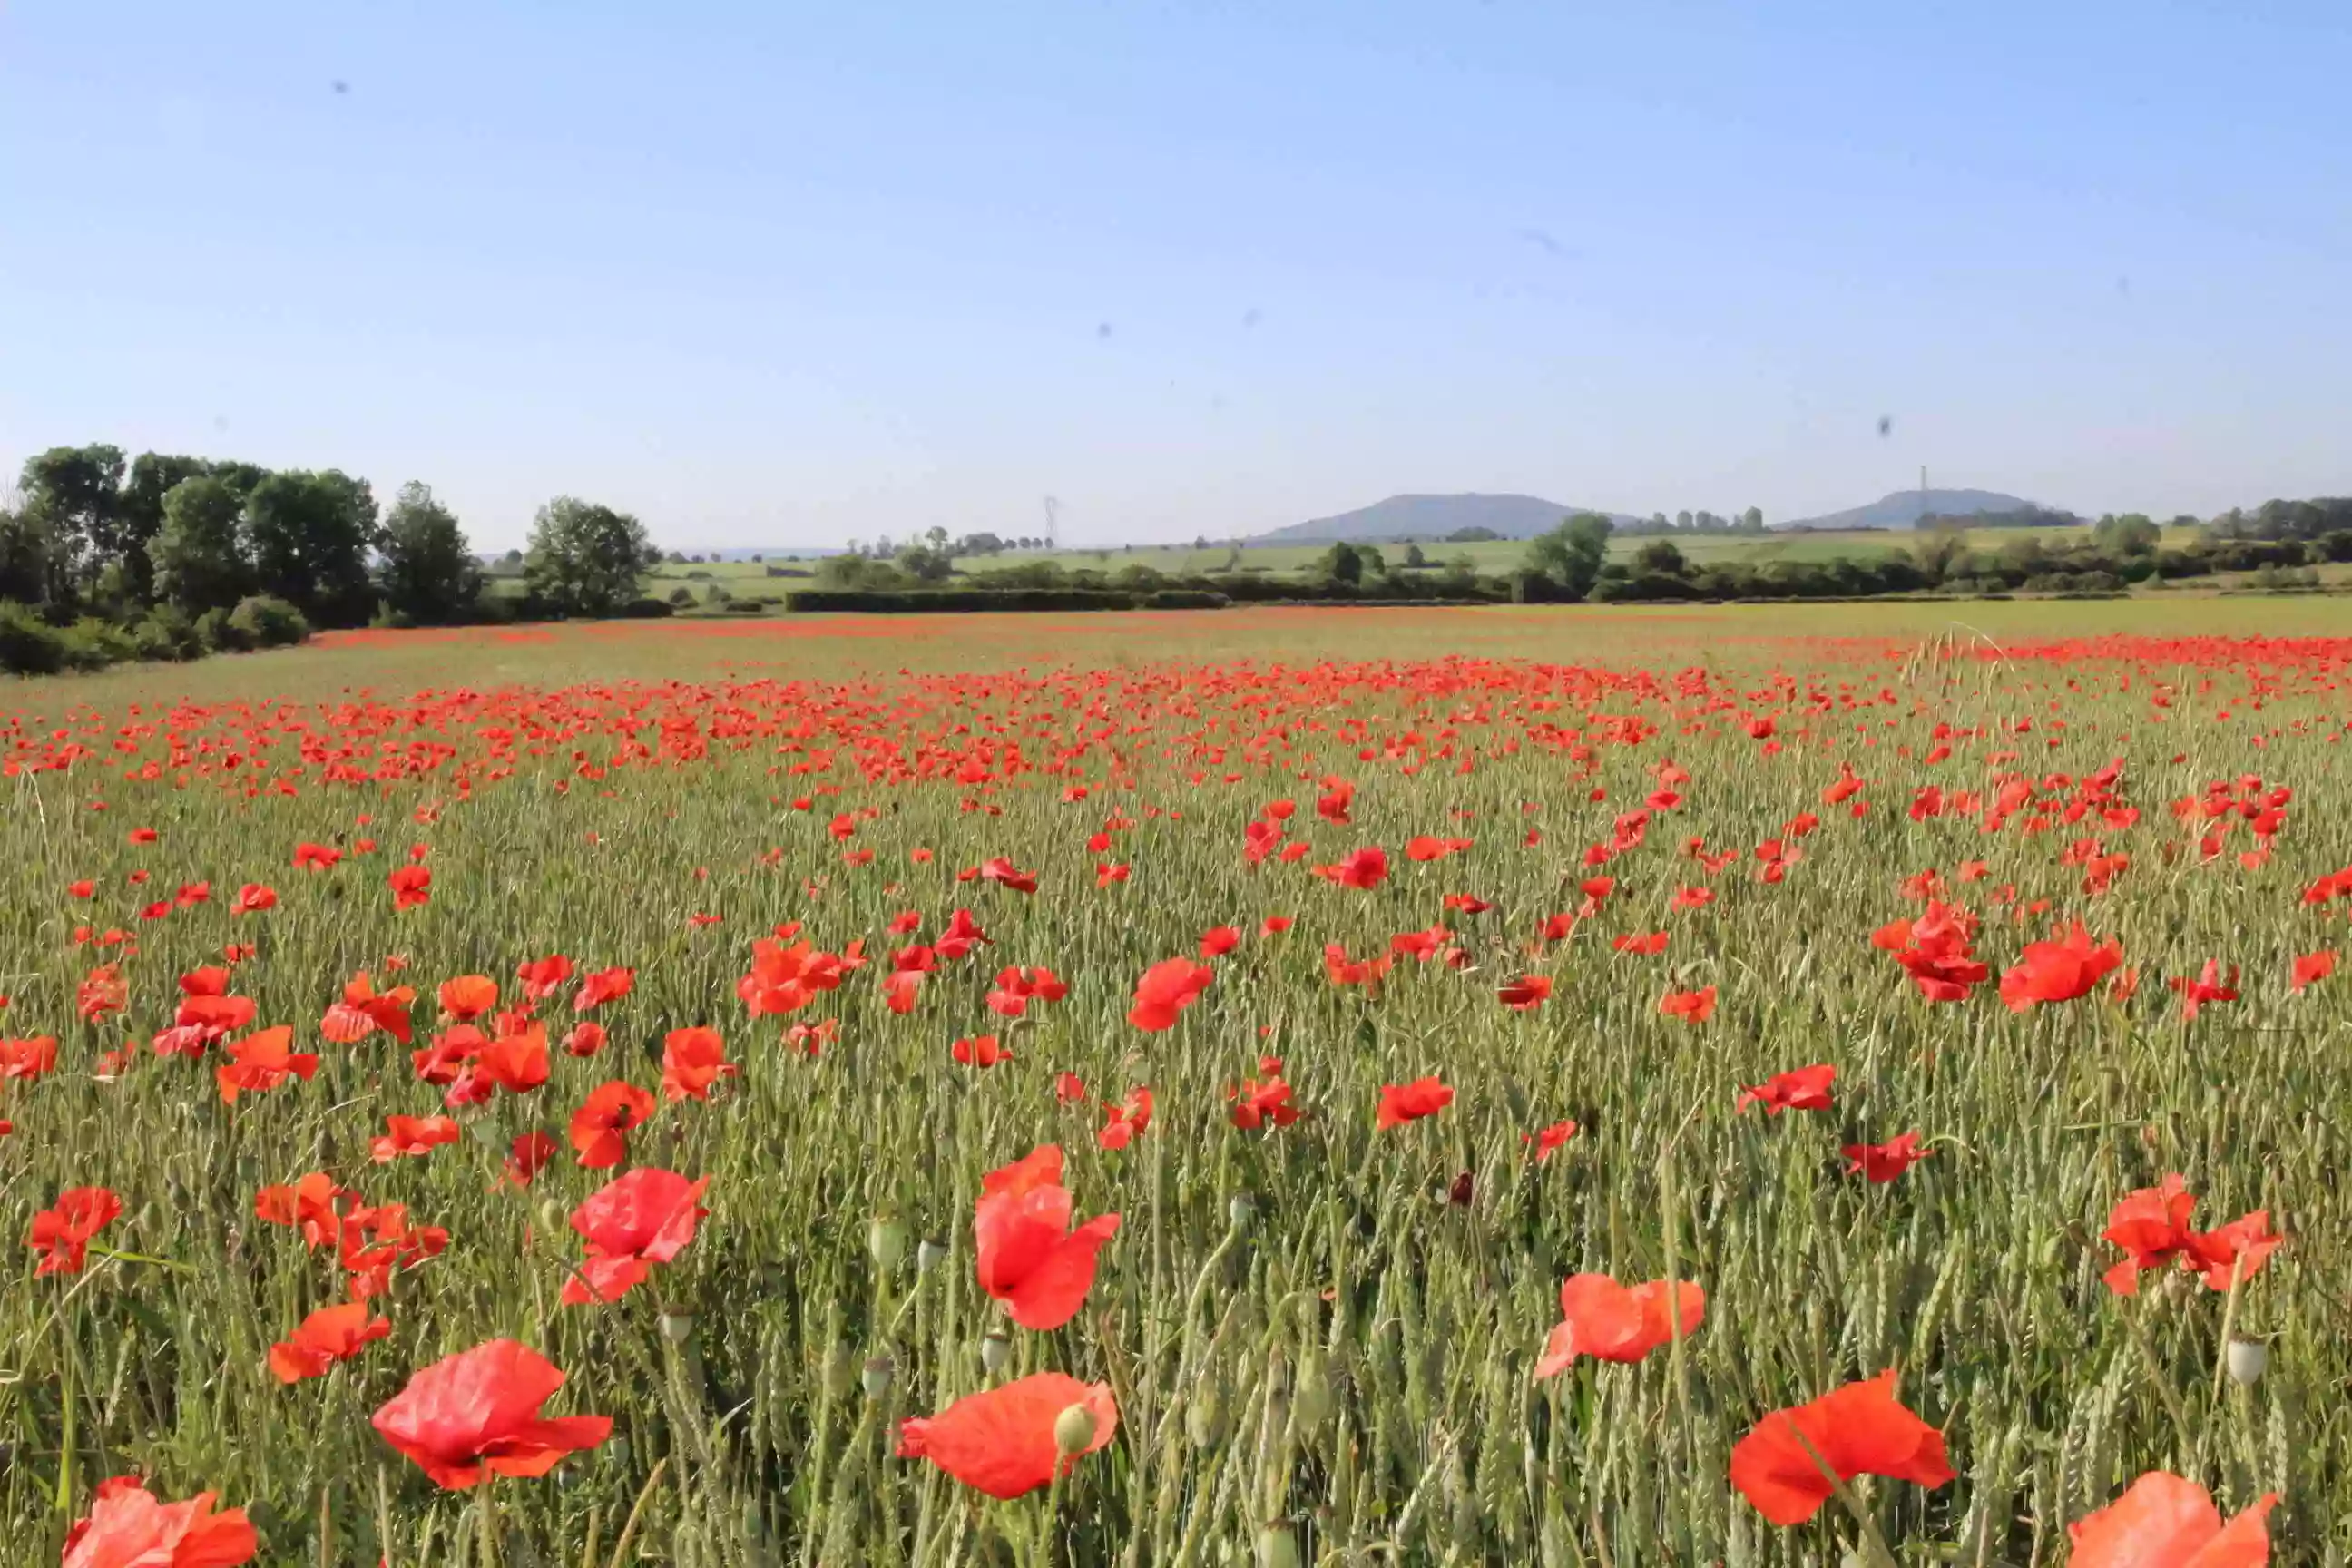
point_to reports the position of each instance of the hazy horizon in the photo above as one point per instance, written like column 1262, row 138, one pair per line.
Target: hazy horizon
column 777, row 277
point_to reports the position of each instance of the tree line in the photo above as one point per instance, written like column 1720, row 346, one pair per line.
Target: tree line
column 168, row 557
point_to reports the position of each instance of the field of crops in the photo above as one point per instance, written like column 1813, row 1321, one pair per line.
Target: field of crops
column 1745, row 1085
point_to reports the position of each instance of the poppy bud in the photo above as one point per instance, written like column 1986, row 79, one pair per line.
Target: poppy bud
column 1242, row 1209
column 885, row 1242
column 929, row 1253
column 840, row 1371
column 486, row 1132
column 995, row 1350
column 552, row 1214
column 676, row 1325
column 1312, row 1404
column 616, row 1451
column 2248, row 1359
column 1074, row 1430
column 1278, row 1544
column 878, row 1374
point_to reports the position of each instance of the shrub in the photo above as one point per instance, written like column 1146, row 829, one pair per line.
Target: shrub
column 743, row 606
column 217, row 636
column 28, row 644
column 268, row 621
column 93, row 644
column 650, row 609
column 167, row 633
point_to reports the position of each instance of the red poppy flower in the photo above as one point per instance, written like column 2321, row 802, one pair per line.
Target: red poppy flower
column 2164, row 1522
column 310, row 1204
column 477, row 1412
column 2236, row 1250
column 61, row 1233
column 469, row 996
column 1859, row 1429
column 585, row 1039
column 1609, row 1321
column 1426, row 848
column 692, row 1060
column 411, row 1136
column 1525, row 994
column 1548, row 1140
column 2208, row 986
column 27, row 1060
column 528, row 1156
column 128, row 1527
column 1255, row 1103
column 1028, row 1255
column 327, row 1336
column 103, row 991
column 1275, row 925
column 411, row 885
column 517, row 1062
column 1690, row 1006
column 786, row 979
column 1219, row 941
column 1806, row 1089
column 252, row 899
column 262, row 1061
column 1165, row 990
column 363, row 1011
column 645, row 1218
column 2311, row 968
column 2059, row 970
column 1015, row 988
column 84, row 888
column 1346, row 970
column 1404, row 1102
column 1884, row 1161
column 599, row 986
column 142, row 835
column 600, row 1127
column 1125, row 1120
column 1691, row 899
column 543, row 977
column 1006, row 1441
column 981, row 1051
column 1648, row 946
column 315, row 857
column 1362, row 869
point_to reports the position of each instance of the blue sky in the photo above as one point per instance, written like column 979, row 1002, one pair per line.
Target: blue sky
column 781, row 274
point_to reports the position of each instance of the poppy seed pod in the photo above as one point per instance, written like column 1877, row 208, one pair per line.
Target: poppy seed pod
column 1242, row 1209
column 1312, row 1403
column 879, row 1370
column 552, row 1215
column 676, row 1325
column 1278, row 1544
column 995, row 1350
column 1074, row 1430
column 2248, row 1359
column 885, row 1242
column 1204, row 1417
column 840, row 1371
column 929, row 1253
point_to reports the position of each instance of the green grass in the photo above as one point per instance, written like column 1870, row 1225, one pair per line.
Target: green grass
column 1976, row 1274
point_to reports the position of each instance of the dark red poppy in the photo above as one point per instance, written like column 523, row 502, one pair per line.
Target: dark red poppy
column 1525, row 994
column 1549, row 1141
column 528, row 1156
column 411, row 885
column 600, row 1128
column 1126, row 1120
column 2208, row 986
column 476, row 1414
column 1028, row 1256
column 1859, row 1429
column 1007, row 1441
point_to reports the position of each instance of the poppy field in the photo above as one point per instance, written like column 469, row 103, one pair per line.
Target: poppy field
column 1455, row 1087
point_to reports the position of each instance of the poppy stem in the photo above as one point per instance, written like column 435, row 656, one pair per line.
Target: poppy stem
column 2229, row 1319
column 636, row 1511
column 2164, row 1389
column 485, row 1524
column 1877, row 1550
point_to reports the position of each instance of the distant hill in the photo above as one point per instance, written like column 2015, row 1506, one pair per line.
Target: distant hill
column 1433, row 517
column 1903, row 509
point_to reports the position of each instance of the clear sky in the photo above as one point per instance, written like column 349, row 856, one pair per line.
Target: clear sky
column 774, row 274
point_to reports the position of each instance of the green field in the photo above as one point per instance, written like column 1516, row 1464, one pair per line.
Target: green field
column 1321, row 1337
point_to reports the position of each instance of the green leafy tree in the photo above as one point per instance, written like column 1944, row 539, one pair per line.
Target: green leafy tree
column 1413, row 559
column 311, row 535
column 196, row 559
column 32, row 567
column 585, row 559
column 153, row 476
column 1343, row 562
column 75, row 494
column 1661, row 555
column 427, row 569
column 1571, row 554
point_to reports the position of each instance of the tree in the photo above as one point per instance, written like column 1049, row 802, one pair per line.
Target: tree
column 1413, row 559
column 428, row 572
column 76, row 495
column 1661, row 555
column 197, row 559
column 311, row 535
column 1683, row 517
column 1571, row 554
column 585, row 559
column 1752, row 520
column 1342, row 563
column 512, row 558
column 32, row 569
column 153, row 476
column 2130, row 534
